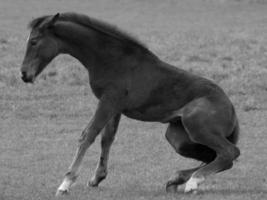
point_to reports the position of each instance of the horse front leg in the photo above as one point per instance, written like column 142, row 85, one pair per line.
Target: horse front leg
column 107, row 139
column 105, row 111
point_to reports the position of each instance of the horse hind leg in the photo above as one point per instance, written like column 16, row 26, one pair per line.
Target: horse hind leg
column 209, row 134
column 223, row 161
column 179, row 178
column 180, row 141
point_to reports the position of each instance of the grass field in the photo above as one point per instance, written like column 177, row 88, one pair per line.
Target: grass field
column 223, row 40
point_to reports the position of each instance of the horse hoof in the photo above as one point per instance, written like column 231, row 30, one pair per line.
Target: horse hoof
column 171, row 188
column 191, row 185
column 61, row 192
column 92, row 183
column 190, row 189
column 194, row 192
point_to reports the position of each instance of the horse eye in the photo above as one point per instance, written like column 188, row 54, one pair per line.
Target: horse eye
column 33, row 42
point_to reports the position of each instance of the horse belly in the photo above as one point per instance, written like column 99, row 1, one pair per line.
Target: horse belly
column 156, row 113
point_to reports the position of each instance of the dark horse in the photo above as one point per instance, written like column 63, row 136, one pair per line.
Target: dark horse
column 129, row 79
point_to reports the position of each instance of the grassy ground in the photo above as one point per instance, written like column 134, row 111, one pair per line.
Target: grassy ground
column 225, row 41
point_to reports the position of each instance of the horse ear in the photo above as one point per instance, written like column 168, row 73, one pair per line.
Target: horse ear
column 52, row 21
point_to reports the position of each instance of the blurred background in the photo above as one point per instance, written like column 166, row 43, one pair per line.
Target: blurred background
column 223, row 40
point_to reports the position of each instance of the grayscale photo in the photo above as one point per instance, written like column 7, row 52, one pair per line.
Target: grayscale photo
column 133, row 99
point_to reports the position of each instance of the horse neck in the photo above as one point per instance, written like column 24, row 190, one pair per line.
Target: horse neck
column 103, row 55
column 75, row 41
column 93, row 49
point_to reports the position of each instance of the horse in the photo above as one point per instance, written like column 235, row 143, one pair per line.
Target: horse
column 128, row 79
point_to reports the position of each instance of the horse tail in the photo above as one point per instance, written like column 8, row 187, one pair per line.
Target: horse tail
column 233, row 138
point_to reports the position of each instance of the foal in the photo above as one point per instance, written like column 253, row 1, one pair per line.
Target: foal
column 129, row 79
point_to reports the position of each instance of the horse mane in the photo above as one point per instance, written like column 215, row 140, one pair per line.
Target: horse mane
column 37, row 21
column 95, row 24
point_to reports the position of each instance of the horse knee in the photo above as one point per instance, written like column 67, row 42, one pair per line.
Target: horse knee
column 228, row 156
column 226, row 162
column 235, row 152
column 231, row 152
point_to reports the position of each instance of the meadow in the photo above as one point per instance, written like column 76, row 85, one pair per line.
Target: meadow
column 225, row 41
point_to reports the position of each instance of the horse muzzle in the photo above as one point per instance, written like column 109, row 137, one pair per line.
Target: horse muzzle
column 26, row 78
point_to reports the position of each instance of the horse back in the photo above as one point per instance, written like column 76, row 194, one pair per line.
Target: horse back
column 160, row 89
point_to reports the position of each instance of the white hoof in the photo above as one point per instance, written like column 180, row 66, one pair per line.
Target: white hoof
column 192, row 184
column 61, row 192
column 64, row 188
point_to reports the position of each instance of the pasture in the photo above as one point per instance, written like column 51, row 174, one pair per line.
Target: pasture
column 225, row 41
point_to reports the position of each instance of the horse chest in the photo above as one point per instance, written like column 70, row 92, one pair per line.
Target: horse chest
column 98, row 87
column 98, row 91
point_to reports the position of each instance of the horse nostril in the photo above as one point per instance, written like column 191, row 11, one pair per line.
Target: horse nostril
column 23, row 75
